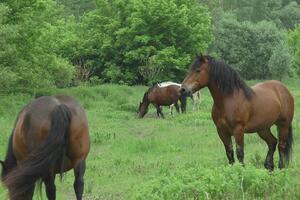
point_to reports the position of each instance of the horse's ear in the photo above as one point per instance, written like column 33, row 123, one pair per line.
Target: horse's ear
column 200, row 56
column 203, row 58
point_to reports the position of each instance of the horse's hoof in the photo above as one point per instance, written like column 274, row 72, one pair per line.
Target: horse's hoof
column 269, row 166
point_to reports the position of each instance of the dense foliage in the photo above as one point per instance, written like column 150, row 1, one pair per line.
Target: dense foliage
column 294, row 43
column 247, row 46
column 27, row 52
column 48, row 43
column 123, row 39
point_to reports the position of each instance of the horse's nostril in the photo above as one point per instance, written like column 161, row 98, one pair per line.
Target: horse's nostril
column 182, row 90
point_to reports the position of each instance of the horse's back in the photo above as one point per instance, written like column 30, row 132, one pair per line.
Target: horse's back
column 284, row 96
column 168, row 83
column 34, row 123
column 271, row 104
column 275, row 91
column 165, row 95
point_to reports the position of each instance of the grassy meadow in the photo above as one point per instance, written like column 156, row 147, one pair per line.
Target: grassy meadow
column 180, row 157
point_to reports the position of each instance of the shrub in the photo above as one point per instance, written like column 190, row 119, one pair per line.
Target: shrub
column 224, row 182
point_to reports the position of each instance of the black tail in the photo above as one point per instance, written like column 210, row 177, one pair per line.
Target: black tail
column 45, row 157
column 289, row 145
column 10, row 161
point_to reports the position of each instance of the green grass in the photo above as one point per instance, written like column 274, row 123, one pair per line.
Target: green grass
column 180, row 157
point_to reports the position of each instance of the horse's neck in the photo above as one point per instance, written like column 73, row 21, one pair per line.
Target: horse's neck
column 217, row 95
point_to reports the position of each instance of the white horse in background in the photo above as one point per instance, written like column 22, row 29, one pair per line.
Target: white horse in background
column 196, row 97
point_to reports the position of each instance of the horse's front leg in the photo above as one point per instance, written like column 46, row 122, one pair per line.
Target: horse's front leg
column 177, row 107
column 238, row 133
column 226, row 139
column 193, row 102
column 159, row 111
column 171, row 108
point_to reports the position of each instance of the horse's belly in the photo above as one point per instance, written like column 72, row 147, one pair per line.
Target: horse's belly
column 261, row 121
column 165, row 103
column 68, row 165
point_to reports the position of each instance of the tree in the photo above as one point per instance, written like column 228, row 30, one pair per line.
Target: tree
column 151, row 70
column 120, row 35
column 246, row 46
column 77, row 7
column 280, row 61
column 29, row 38
column 294, row 44
column 289, row 15
column 8, row 78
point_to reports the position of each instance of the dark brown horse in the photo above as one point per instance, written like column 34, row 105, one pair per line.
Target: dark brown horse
column 50, row 136
column 240, row 109
column 162, row 96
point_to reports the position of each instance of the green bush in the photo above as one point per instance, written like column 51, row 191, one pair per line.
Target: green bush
column 224, row 182
column 62, row 72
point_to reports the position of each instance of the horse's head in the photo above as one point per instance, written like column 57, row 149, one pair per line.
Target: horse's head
column 143, row 109
column 197, row 77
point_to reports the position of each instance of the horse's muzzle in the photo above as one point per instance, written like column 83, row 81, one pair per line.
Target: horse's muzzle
column 184, row 91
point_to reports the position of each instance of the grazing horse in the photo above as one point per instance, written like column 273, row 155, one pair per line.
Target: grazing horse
column 196, row 97
column 162, row 96
column 239, row 109
column 50, row 137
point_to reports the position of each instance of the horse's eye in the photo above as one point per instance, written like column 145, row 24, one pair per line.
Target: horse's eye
column 198, row 70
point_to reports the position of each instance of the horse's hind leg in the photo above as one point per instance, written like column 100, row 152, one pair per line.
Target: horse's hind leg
column 271, row 141
column 28, row 195
column 159, row 111
column 79, row 171
column 49, row 181
column 285, row 144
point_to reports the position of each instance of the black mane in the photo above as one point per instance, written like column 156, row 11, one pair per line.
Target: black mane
column 145, row 98
column 226, row 78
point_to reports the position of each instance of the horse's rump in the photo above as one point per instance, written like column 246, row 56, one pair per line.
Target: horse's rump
column 50, row 136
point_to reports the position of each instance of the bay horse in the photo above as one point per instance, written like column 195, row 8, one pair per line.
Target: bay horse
column 162, row 96
column 195, row 97
column 50, row 136
column 238, row 108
